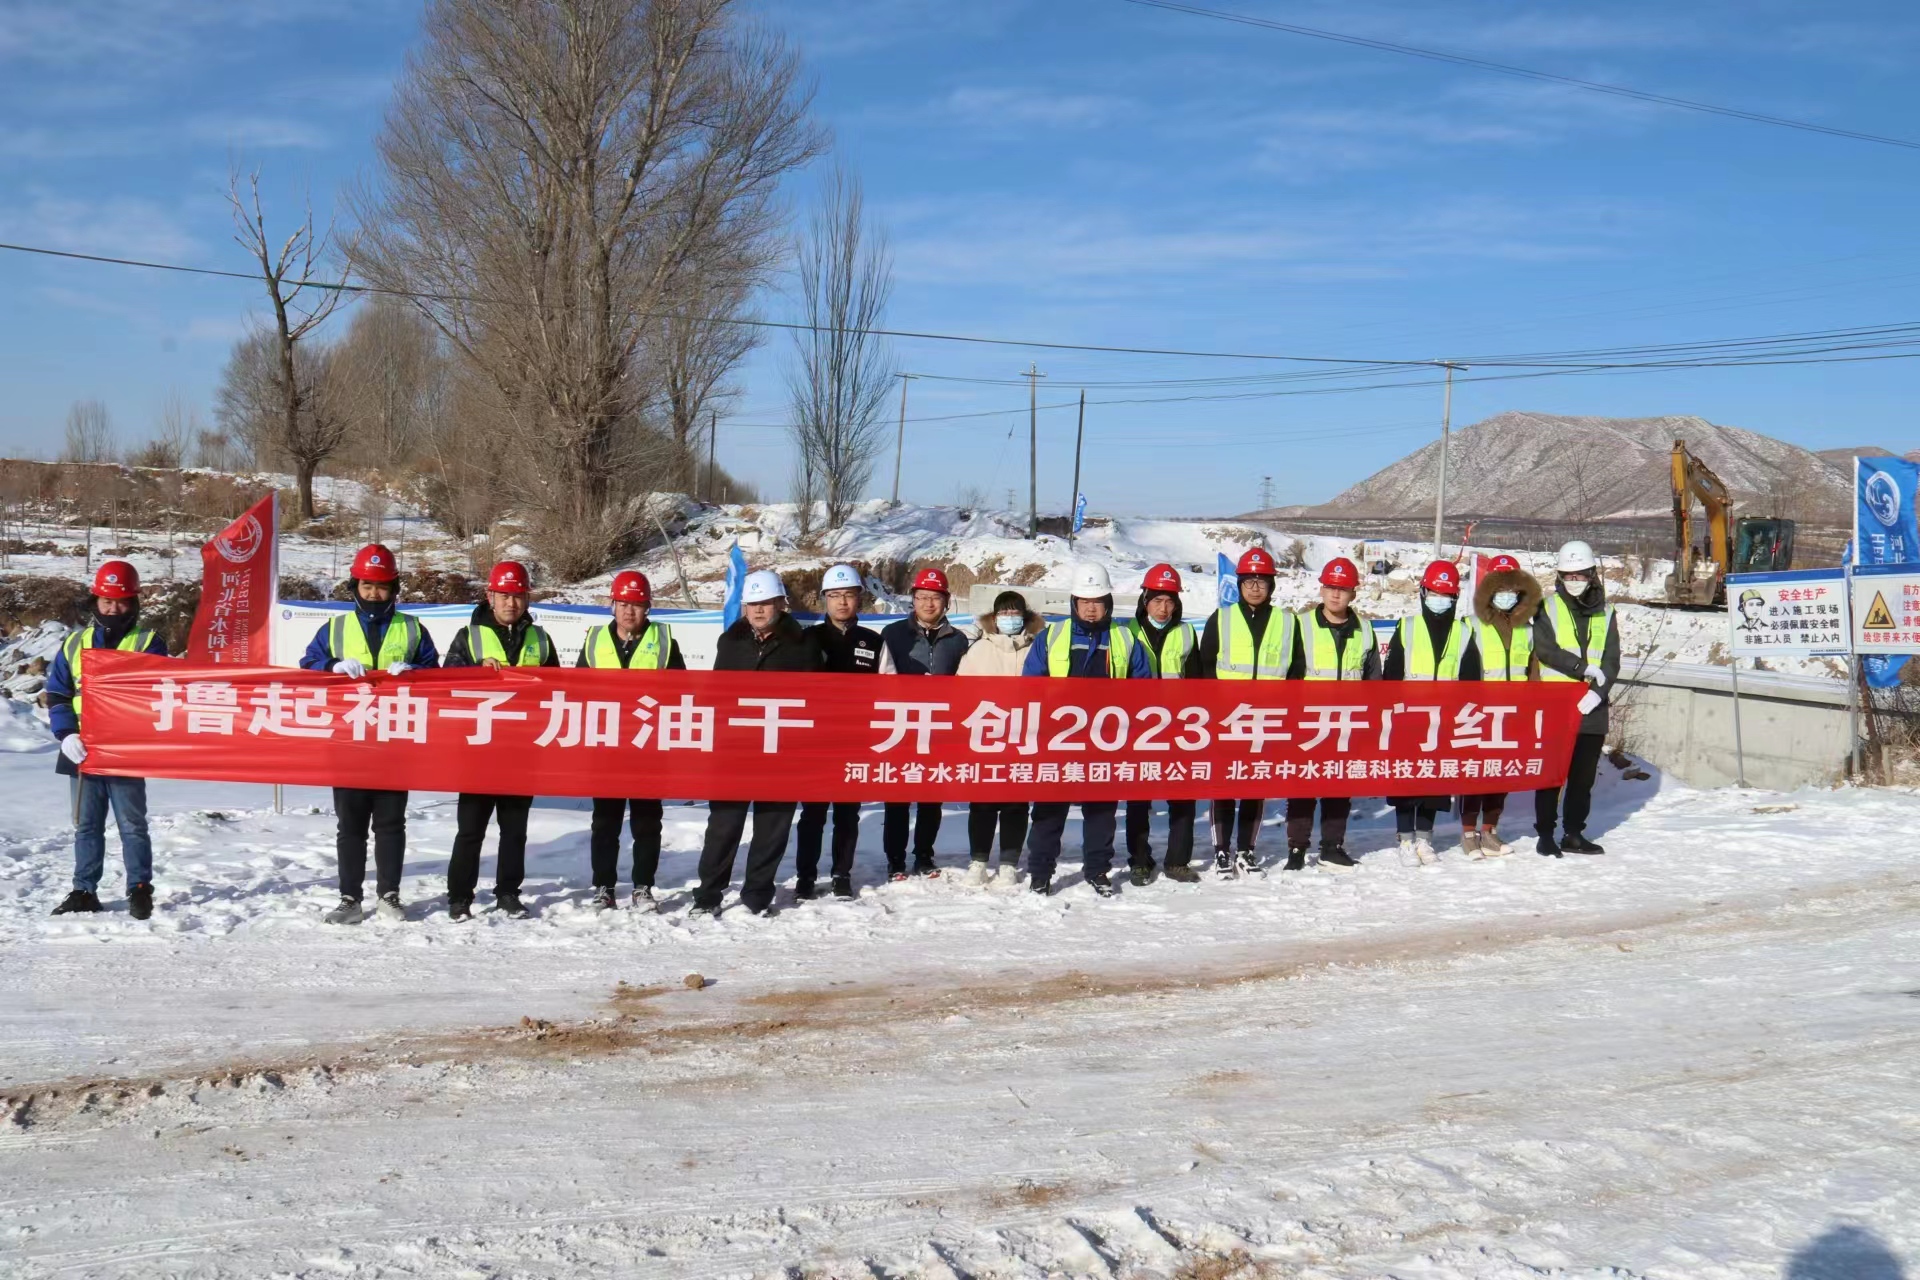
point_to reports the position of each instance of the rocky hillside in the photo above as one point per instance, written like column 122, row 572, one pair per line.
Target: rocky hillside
column 1537, row 465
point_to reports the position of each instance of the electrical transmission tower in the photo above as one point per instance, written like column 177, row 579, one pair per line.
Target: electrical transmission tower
column 1266, row 492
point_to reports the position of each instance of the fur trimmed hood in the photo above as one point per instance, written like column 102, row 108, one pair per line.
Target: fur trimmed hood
column 1507, row 580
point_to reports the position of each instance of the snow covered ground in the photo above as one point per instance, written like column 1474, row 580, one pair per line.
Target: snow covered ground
column 1691, row 1059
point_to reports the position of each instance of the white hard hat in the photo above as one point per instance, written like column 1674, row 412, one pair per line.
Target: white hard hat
column 1575, row 557
column 762, row 584
column 842, row 575
column 1090, row 582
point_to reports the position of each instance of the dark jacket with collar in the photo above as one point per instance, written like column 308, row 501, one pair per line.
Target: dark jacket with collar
column 786, row 648
column 512, row 639
column 855, row 651
column 912, row 650
column 1603, row 652
column 627, row 648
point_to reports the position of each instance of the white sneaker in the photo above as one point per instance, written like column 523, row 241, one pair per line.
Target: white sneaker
column 1008, row 876
column 1423, row 851
column 978, row 873
column 389, row 908
column 1406, row 852
column 1492, row 846
column 1470, row 844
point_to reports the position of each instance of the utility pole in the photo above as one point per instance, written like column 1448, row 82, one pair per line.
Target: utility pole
column 1446, row 431
column 1033, row 376
column 1073, row 499
column 713, row 435
column 1266, row 492
column 900, row 441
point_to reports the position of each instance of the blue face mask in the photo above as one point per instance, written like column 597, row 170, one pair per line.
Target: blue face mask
column 1158, row 625
column 1439, row 604
column 1010, row 624
column 1505, row 600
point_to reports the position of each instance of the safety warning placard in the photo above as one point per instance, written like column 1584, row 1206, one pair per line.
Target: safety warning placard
column 1886, row 609
column 1796, row 613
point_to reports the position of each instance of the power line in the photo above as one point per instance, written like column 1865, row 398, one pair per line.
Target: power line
column 1466, row 60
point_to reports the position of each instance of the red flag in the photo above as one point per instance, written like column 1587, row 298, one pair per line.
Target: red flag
column 239, row 585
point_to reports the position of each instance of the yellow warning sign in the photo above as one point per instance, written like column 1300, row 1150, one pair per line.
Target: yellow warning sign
column 1879, row 617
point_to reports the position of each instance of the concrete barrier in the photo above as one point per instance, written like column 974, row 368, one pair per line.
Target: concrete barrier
column 1795, row 729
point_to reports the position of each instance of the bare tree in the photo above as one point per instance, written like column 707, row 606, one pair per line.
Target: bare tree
column 89, row 435
column 700, row 340
column 551, row 176
column 391, row 381
column 173, row 435
column 842, row 370
column 217, row 451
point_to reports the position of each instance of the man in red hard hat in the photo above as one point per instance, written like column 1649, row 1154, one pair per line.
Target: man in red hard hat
column 374, row 635
column 633, row 643
column 500, row 634
column 1430, row 645
column 1173, row 653
column 1332, row 641
column 114, row 624
column 923, row 644
column 1247, row 640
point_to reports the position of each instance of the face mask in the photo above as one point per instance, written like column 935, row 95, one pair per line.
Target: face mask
column 1009, row 624
column 1158, row 625
column 1575, row 586
column 1505, row 600
column 1439, row 604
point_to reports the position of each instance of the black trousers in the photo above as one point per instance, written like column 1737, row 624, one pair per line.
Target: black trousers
column 1097, row 823
column 893, row 834
column 1334, row 812
column 1579, row 790
column 510, row 868
column 813, row 825
column 983, row 817
column 354, row 809
column 1485, row 810
column 726, row 820
column 1238, row 821
column 1180, row 818
column 605, row 842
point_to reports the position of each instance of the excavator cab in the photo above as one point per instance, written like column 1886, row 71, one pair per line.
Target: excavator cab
column 1762, row 545
column 1752, row 545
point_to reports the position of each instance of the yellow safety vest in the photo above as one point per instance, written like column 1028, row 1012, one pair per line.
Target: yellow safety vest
column 482, row 644
column 651, row 654
column 1518, row 654
column 1060, row 649
column 1416, row 644
column 76, row 647
column 1171, row 662
column 1237, row 660
column 1567, row 636
column 401, row 643
column 1325, row 661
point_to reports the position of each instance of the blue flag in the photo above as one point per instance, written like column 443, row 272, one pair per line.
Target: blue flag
column 1885, row 530
column 736, row 579
column 1229, row 582
column 1079, row 512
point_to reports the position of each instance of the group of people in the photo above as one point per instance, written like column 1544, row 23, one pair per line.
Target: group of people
column 1514, row 630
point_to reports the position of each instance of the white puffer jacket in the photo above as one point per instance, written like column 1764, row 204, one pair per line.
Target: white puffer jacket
column 993, row 654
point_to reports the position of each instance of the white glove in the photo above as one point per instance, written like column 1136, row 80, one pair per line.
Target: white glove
column 72, row 748
column 351, row 667
column 1588, row 701
column 400, row 668
column 1596, row 675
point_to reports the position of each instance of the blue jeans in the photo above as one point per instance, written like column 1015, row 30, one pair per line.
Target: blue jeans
column 128, row 796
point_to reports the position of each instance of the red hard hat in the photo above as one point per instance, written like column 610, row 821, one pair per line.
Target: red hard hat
column 1442, row 578
column 116, row 580
column 631, row 586
column 375, row 563
column 1340, row 572
column 1503, row 563
column 932, row 579
column 509, row 577
column 1255, row 562
column 1162, row 577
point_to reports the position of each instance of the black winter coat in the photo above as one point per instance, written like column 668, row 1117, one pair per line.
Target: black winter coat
column 855, row 651
column 786, row 648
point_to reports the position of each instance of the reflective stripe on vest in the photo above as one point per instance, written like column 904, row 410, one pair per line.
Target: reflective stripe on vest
column 1059, row 642
column 1238, row 661
column 482, row 644
column 76, row 647
column 1325, row 660
column 1518, row 654
column 1567, row 637
column 1171, row 662
column 651, row 654
column 401, row 643
column 1416, row 645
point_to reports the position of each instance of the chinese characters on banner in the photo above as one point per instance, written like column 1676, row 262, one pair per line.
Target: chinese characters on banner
column 239, row 578
column 744, row 736
column 1886, row 609
column 1793, row 614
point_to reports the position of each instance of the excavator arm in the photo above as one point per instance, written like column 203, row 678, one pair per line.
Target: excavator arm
column 1693, row 479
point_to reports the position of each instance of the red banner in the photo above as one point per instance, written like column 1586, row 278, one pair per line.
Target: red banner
column 743, row 736
column 239, row 578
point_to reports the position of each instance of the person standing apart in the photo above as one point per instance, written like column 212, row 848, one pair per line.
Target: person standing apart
column 374, row 635
column 1001, row 650
column 1428, row 646
column 1090, row 645
column 500, row 634
column 1250, row 640
column 1576, row 637
column 846, row 648
column 766, row 638
column 923, row 644
column 114, row 624
column 1173, row 653
column 1332, row 641
column 1505, row 600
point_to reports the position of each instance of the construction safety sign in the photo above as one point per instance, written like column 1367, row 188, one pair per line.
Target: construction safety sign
column 1886, row 609
column 1793, row 614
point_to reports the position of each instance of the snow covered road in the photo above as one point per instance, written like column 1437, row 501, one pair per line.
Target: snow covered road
column 1690, row 1059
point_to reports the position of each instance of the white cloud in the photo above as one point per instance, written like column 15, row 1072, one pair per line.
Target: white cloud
column 120, row 226
column 984, row 107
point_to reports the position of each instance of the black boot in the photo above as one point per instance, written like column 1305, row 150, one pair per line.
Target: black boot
column 1141, row 874
column 1546, row 847
column 1296, row 860
column 459, row 909
column 804, row 890
column 507, row 902
column 843, row 886
column 1183, row 873
column 79, row 901
column 1336, row 857
column 1042, row 885
column 1101, row 885
column 1577, row 842
column 140, row 901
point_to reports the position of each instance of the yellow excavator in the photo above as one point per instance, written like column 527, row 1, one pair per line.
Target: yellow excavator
column 1749, row 545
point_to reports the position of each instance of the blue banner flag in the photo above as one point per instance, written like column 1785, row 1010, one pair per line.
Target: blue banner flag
column 736, row 579
column 1079, row 512
column 1885, row 530
column 1229, row 582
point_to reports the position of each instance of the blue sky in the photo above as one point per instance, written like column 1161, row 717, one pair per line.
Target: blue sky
column 1094, row 171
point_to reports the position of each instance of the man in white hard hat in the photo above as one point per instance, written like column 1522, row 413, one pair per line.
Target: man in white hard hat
column 1090, row 645
column 846, row 648
column 1576, row 637
column 766, row 638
